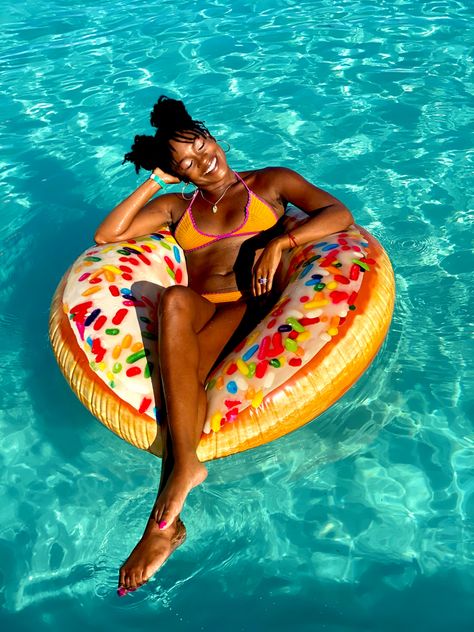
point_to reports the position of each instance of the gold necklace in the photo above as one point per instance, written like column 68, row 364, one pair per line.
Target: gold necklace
column 214, row 204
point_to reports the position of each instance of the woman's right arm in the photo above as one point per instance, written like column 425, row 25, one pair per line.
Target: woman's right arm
column 136, row 215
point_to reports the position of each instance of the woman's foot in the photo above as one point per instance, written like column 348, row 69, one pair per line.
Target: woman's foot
column 164, row 531
column 170, row 501
column 150, row 553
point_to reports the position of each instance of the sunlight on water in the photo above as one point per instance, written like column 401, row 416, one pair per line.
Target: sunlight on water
column 362, row 520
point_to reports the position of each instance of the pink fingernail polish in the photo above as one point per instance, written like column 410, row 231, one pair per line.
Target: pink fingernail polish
column 121, row 592
column 162, row 524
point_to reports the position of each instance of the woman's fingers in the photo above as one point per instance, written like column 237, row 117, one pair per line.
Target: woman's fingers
column 262, row 282
column 269, row 284
column 255, row 284
column 265, row 269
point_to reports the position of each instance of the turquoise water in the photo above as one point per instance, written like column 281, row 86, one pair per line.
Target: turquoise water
column 361, row 521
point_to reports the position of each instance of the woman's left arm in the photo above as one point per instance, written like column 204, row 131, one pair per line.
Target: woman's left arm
column 326, row 215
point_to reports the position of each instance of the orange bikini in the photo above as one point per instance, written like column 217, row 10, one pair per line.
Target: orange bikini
column 223, row 297
column 258, row 217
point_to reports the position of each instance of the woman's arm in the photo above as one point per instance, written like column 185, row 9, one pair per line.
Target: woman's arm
column 326, row 215
column 136, row 215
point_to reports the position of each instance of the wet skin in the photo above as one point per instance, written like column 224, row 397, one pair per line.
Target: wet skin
column 193, row 331
column 210, row 270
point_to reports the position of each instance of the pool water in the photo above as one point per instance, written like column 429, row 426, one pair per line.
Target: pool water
column 361, row 520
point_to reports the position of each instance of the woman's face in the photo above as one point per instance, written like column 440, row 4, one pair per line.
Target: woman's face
column 200, row 161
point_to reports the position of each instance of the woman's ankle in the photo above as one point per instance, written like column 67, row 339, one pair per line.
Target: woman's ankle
column 185, row 460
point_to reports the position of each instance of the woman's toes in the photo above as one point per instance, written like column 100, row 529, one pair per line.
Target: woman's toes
column 136, row 580
column 157, row 513
column 148, row 572
column 164, row 522
column 162, row 518
column 168, row 516
column 140, row 578
column 130, row 583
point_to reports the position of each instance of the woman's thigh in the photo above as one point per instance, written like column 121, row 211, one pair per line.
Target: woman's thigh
column 212, row 323
column 214, row 336
column 256, row 309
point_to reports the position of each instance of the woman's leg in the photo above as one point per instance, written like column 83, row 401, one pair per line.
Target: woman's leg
column 192, row 334
column 155, row 546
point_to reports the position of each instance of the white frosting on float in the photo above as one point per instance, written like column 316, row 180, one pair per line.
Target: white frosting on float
column 111, row 298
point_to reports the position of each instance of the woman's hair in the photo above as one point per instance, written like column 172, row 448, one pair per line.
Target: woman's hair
column 173, row 122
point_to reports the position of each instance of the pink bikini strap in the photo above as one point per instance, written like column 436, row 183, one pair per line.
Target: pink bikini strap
column 192, row 200
column 243, row 181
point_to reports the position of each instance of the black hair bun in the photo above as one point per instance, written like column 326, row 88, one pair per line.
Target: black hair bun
column 143, row 153
column 173, row 123
column 170, row 114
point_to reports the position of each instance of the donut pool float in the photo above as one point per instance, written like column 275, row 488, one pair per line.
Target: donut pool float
column 322, row 334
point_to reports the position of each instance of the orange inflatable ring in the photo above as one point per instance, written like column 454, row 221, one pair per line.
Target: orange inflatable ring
column 319, row 338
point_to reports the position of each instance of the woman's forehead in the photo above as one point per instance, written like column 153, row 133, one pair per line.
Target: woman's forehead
column 182, row 145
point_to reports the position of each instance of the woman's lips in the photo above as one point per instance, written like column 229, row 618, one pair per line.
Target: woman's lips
column 212, row 166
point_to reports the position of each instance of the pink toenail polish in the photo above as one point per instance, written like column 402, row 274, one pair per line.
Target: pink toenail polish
column 162, row 524
column 121, row 592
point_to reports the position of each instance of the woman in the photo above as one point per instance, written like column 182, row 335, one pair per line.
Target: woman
column 227, row 231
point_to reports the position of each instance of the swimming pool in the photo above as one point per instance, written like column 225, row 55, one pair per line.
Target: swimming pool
column 362, row 520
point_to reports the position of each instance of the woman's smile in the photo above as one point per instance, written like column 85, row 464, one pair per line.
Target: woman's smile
column 212, row 166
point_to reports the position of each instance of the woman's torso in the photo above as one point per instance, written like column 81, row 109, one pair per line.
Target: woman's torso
column 221, row 248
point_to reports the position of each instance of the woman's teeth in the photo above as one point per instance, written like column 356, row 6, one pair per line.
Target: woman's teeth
column 211, row 166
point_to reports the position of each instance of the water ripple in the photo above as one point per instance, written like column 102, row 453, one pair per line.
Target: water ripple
column 370, row 100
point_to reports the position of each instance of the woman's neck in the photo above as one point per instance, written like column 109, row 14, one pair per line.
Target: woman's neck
column 216, row 189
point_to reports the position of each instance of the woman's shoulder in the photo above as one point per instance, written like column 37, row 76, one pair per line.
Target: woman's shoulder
column 271, row 182
column 268, row 184
column 269, row 175
column 173, row 203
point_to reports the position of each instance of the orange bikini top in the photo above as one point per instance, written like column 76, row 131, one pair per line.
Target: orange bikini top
column 258, row 217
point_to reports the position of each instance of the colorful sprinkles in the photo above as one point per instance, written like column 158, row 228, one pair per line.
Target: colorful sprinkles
column 112, row 291
column 113, row 297
column 324, row 281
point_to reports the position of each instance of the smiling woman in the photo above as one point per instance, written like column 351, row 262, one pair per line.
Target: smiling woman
column 233, row 242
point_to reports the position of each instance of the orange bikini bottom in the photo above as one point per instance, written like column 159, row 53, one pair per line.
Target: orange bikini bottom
column 223, row 297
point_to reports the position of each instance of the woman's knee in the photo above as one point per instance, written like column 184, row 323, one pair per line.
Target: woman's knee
column 175, row 300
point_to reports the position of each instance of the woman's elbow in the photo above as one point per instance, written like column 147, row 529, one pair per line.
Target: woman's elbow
column 99, row 239
column 346, row 217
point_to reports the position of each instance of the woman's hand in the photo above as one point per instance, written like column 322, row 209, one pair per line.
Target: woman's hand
column 266, row 267
column 166, row 177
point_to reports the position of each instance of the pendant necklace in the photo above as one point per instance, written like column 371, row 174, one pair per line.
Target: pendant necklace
column 214, row 205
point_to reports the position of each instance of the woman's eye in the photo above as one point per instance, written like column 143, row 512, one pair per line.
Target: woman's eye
column 187, row 165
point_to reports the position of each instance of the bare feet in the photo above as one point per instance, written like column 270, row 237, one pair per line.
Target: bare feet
column 182, row 479
column 164, row 531
column 150, row 553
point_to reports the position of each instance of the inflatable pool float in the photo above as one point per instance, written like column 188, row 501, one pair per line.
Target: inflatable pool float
column 323, row 333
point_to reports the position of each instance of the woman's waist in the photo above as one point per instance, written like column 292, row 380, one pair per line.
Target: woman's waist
column 216, row 282
column 219, row 287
